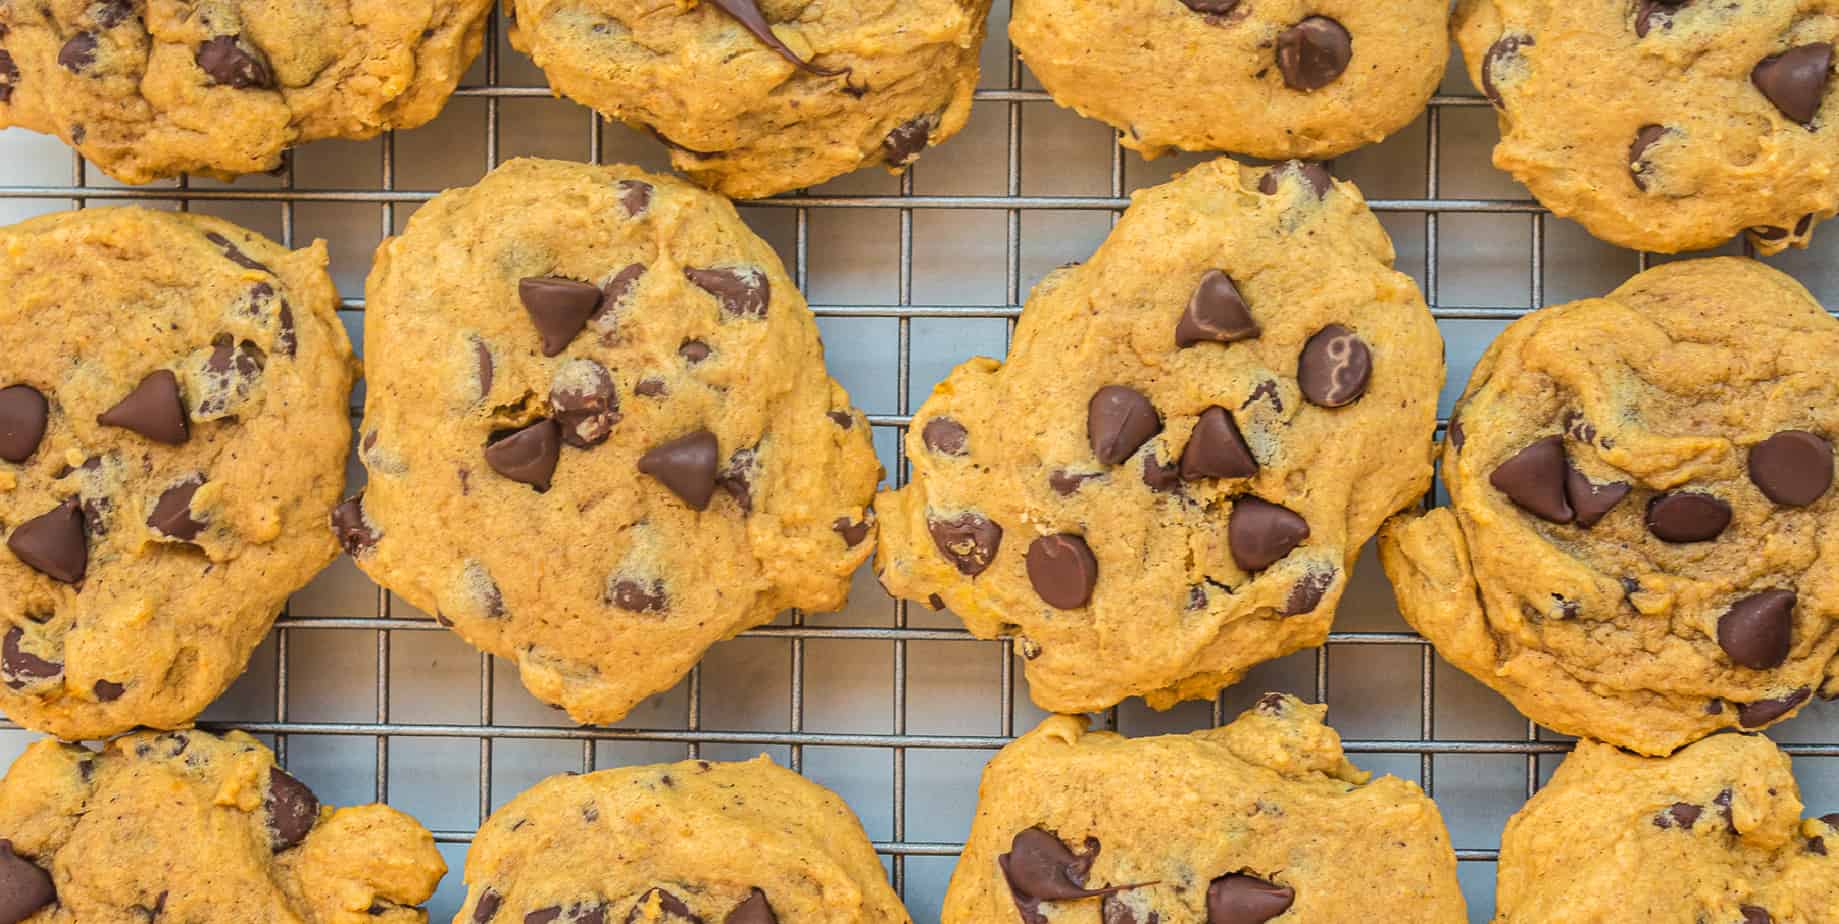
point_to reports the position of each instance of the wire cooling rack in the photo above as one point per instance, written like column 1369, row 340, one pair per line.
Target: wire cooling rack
column 894, row 706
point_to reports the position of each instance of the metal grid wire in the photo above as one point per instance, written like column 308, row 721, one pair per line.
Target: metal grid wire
column 1013, row 100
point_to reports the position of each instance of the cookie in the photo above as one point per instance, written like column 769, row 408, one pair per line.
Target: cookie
column 1271, row 78
column 1712, row 833
column 598, row 430
column 153, row 88
column 173, row 432
column 1641, row 543
column 1170, row 478
column 1664, row 125
column 757, row 99
column 188, row 826
column 1241, row 824
column 658, row 845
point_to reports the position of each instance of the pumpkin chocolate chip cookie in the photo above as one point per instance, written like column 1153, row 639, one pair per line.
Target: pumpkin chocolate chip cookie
column 599, row 432
column 1270, row 78
column 1705, row 119
column 1641, row 545
column 152, row 88
column 1712, row 833
column 174, row 425
column 755, row 98
column 1261, row 820
column 189, row 826
column 656, row 845
column 1221, row 407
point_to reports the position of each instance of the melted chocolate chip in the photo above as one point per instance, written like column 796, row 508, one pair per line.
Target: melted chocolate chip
column 78, row 52
column 24, row 413
column 112, row 13
column 1313, row 53
column 1160, row 477
column 260, row 291
column 582, row 402
column 747, row 13
column 1261, row 533
column 172, row 514
column 612, row 293
column 558, row 308
column 1066, row 483
column 754, row 910
column 694, row 351
column 1638, row 167
column 853, row 532
column 1793, row 468
column 639, row 596
column 650, row 388
column 53, row 543
column 229, row 64
column 843, row 419
column 685, row 465
column 1758, row 630
column 1504, row 48
column 1762, row 712
column 1591, row 501
column 736, row 478
column 903, row 145
column 1795, row 80
column 1682, row 815
column 1211, row 7
column 1534, row 479
column 1240, row 899
column 634, row 196
column 1687, row 516
column 944, row 436
column 672, row 907
column 1216, row 313
column 354, row 532
column 1062, row 570
column 1314, row 177
column 21, row 667
column 1755, row 915
column 153, row 409
column 744, row 292
column 9, row 76
column 1112, row 909
column 482, row 360
column 969, row 541
column 1216, row 450
column 1040, row 867
column 1306, row 594
column 1119, row 420
column 527, row 455
column 108, row 691
column 24, row 886
column 487, row 908
column 1334, row 367
column 292, row 809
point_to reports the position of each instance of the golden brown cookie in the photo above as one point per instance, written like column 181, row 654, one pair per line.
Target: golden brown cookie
column 173, row 432
column 599, row 433
column 1260, row 820
column 1195, row 431
column 1641, row 543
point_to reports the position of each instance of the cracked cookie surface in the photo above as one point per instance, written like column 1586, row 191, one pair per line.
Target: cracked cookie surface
column 1222, row 405
column 1705, row 118
column 599, row 432
column 656, row 845
column 152, row 88
column 1712, row 833
column 1240, row 824
column 755, row 99
column 190, row 826
column 1270, row 78
column 173, row 429
column 1640, row 545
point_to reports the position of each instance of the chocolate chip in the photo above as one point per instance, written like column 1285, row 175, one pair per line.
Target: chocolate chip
column 1758, row 630
column 153, row 409
column 1795, row 80
column 112, row 13
column 235, row 255
column 1762, row 712
column 1591, row 501
column 1647, row 12
column 558, row 308
column 1334, row 368
column 693, row 351
column 1261, row 533
column 482, row 360
column 1216, row 313
column 1240, row 899
column 108, row 691
column 1831, row 821
column 944, row 436
column 292, row 809
column 1638, row 167
column 747, row 13
column 487, row 908
column 1216, row 450
column 650, row 388
column 172, row 513
column 1755, row 915
column 634, row 196
column 936, row 602
column 23, row 668
column 548, row 915
column 1161, row 477
column 354, row 532
column 1505, row 47
column 744, row 292
column 1063, row 570
column 1682, row 815
column 755, row 910
column 1456, row 436
column 1534, row 479
column 903, row 145
column 639, row 596
column 24, row 886
column 1793, row 468
column 969, row 541
column 1067, row 483
column 1687, row 516
column 24, row 413
column 1306, row 594
column 852, row 532
column 1112, row 909
column 79, row 52
column 1211, row 7
column 9, row 76
column 229, row 64
column 1119, row 420
column 842, row 419
column 1312, row 53
column 53, row 543
column 612, row 293
column 737, row 478
column 1314, row 177
column 1038, row 866
column 527, row 455
column 685, row 465
column 670, row 905
column 284, row 341
column 582, row 401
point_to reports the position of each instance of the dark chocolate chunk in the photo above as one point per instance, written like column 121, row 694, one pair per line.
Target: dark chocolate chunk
column 944, row 436
column 1119, row 420
column 1794, row 81
column 969, row 541
column 1216, row 313
column 1793, row 468
column 1591, row 501
column 1534, row 479
column 24, row 886
column 558, row 308
column 1314, row 177
column 153, row 409
column 261, row 291
column 1261, row 533
column 1062, row 570
column 229, row 64
column 634, row 196
column 685, row 465
column 21, row 667
column 903, row 145
column 1687, row 516
column 853, row 532
column 1216, row 450
column 1682, row 815
column 292, row 809
column 1505, row 47
column 1638, row 167
column 172, row 514
column 354, row 532
column 24, row 413
column 53, row 543
column 1762, row 712
column 1313, row 53
column 527, row 455
column 582, row 401
column 1758, row 630
column 754, row 910
column 747, row 13
column 744, row 292
column 1240, row 899
column 1334, row 367
column 108, row 691
column 78, row 52
column 487, row 908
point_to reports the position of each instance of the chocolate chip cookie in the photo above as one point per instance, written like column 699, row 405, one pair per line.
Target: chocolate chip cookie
column 153, row 88
column 1641, row 536
column 738, row 843
column 1170, row 478
column 173, row 432
column 599, row 433
column 755, row 98
column 1269, row 78
column 1713, row 833
column 1704, row 119
column 188, row 826
column 1258, row 820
